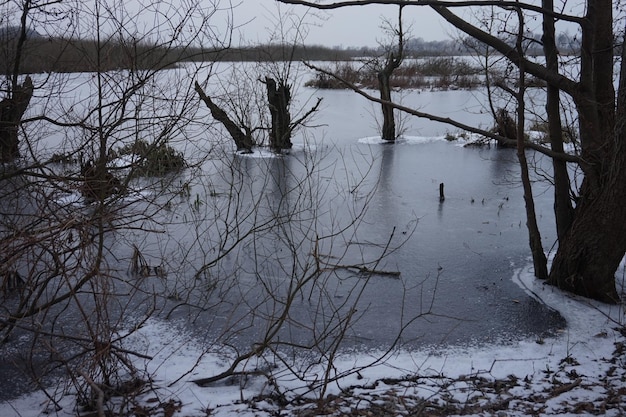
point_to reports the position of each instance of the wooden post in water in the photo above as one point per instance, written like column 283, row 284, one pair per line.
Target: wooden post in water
column 442, row 197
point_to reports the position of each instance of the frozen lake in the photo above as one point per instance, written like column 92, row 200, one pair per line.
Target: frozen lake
column 244, row 241
column 455, row 258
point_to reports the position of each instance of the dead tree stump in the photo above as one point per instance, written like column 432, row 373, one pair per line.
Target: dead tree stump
column 12, row 109
column 279, row 98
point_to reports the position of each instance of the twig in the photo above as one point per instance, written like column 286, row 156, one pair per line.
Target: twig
column 365, row 270
column 564, row 388
column 95, row 387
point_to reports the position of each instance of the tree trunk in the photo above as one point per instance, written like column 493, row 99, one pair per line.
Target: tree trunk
column 243, row 141
column 279, row 98
column 393, row 62
column 540, row 263
column 595, row 244
column 595, row 95
column 591, row 251
column 563, row 209
column 389, row 124
column 11, row 111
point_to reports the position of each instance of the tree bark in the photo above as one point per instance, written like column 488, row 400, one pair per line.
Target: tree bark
column 593, row 248
column 595, row 98
column 563, row 209
column 388, row 131
column 393, row 61
column 242, row 141
column 11, row 111
column 279, row 98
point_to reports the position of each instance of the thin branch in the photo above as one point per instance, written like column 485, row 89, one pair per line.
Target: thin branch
column 469, row 3
column 365, row 270
column 511, row 53
column 306, row 115
column 100, row 399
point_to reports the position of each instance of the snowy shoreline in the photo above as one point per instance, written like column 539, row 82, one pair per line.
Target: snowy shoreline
column 584, row 365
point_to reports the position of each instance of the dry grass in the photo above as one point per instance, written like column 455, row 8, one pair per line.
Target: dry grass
column 435, row 73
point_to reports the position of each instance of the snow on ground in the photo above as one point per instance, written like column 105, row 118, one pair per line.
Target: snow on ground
column 581, row 371
column 459, row 139
column 463, row 139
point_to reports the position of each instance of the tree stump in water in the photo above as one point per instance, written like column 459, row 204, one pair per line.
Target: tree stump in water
column 278, row 98
column 506, row 127
column 98, row 182
column 242, row 140
column 12, row 109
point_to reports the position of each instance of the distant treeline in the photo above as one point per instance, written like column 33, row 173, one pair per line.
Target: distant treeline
column 45, row 54
column 72, row 55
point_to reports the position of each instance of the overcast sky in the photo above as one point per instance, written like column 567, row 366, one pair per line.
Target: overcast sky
column 259, row 21
column 352, row 26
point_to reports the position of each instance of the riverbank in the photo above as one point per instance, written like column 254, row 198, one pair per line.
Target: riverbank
column 579, row 371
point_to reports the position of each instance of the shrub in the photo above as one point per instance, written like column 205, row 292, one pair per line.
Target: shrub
column 440, row 72
column 346, row 71
column 153, row 159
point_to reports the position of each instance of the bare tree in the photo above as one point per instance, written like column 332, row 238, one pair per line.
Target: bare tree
column 536, row 247
column 301, row 278
column 508, row 87
column 15, row 96
column 563, row 209
column 242, row 107
column 71, row 208
column 308, row 269
column 94, row 243
column 591, row 249
column 278, row 100
column 393, row 60
column 243, row 141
